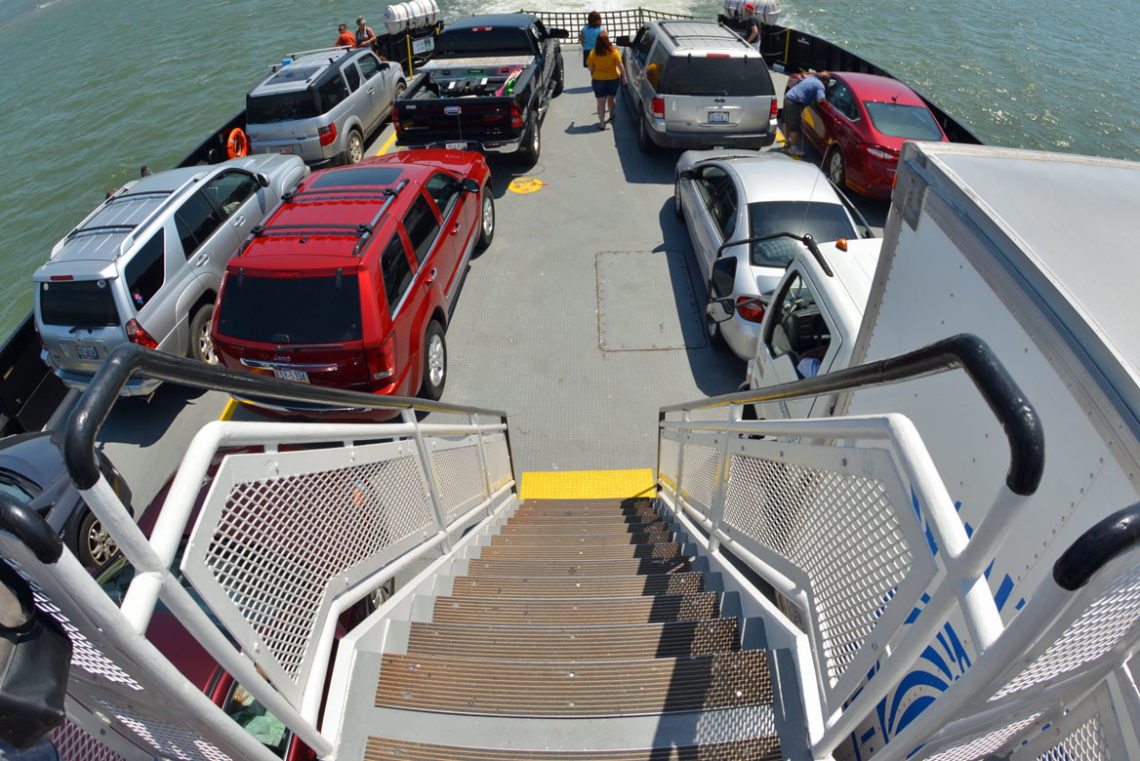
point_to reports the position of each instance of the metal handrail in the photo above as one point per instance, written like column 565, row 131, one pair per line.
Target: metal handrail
column 130, row 359
column 1018, row 417
column 1108, row 538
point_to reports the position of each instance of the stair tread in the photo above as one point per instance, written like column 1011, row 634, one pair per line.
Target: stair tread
column 559, row 539
column 545, row 552
column 758, row 749
column 598, row 586
column 584, row 527
column 568, row 643
column 593, row 688
column 616, row 610
column 556, row 568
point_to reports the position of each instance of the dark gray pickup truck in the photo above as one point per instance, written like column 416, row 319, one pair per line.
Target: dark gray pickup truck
column 487, row 87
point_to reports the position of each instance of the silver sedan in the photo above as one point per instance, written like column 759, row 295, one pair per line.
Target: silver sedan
column 728, row 198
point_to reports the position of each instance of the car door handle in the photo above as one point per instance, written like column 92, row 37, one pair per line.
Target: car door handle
column 455, row 228
column 201, row 259
column 431, row 276
column 239, row 220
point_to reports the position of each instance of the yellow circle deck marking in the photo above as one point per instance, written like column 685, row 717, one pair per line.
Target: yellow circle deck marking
column 525, row 185
column 587, row 484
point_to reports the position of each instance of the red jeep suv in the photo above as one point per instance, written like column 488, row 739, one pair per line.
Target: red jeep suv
column 350, row 281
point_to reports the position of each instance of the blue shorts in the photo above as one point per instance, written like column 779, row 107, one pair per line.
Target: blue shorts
column 604, row 88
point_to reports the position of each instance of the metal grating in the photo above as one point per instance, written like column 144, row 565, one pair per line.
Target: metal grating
column 839, row 528
column 986, row 745
column 75, row 744
column 1085, row 743
column 699, row 471
column 498, row 461
column 460, row 479
column 1099, row 628
column 274, row 579
column 171, row 741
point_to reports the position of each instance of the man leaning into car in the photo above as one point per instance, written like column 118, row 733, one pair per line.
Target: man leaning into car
column 811, row 89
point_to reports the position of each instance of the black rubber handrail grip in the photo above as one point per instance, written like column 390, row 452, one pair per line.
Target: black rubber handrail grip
column 1004, row 397
column 1111, row 536
column 131, row 359
column 30, row 528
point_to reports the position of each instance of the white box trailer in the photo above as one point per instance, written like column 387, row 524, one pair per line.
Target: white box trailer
column 1036, row 254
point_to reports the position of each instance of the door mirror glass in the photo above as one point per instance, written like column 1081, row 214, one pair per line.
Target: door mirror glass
column 470, row 185
column 720, row 310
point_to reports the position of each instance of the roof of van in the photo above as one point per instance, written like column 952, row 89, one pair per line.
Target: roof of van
column 705, row 35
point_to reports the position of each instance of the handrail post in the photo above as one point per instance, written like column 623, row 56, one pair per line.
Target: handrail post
column 409, row 416
column 481, row 450
column 720, row 491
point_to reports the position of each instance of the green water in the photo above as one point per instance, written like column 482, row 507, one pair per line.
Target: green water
column 93, row 89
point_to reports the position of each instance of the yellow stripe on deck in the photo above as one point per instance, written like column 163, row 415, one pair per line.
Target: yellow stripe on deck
column 587, row 484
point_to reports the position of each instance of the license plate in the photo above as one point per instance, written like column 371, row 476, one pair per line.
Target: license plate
column 718, row 117
column 83, row 351
column 459, row 146
column 285, row 373
column 285, row 149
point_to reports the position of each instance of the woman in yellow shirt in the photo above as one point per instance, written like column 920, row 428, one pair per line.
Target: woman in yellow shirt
column 604, row 63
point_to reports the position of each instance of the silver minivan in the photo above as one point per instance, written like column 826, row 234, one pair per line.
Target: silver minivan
column 322, row 105
column 146, row 265
column 697, row 84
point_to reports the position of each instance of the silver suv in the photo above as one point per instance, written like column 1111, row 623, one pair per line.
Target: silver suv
column 146, row 265
column 322, row 105
column 696, row 84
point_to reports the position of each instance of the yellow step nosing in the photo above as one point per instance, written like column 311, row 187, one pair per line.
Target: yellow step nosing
column 587, row 484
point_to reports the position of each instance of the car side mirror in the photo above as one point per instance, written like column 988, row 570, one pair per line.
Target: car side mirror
column 470, row 186
column 560, row 34
column 623, row 40
column 262, row 180
column 720, row 310
column 685, row 174
column 384, row 66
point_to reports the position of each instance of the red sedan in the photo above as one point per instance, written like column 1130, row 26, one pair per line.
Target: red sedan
column 859, row 129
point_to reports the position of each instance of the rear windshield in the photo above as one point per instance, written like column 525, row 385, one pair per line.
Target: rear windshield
column 896, row 120
column 281, row 107
column 823, row 221
column 362, row 176
column 730, row 77
column 478, row 40
column 291, row 310
column 87, row 303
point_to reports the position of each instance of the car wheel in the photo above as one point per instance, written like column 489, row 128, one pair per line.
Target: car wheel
column 835, row 169
column 435, row 362
column 94, row 545
column 559, row 77
column 644, row 141
column 486, row 219
column 677, row 208
column 201, row 345
column 354, row 151
column 532, row 143
column 401, row 87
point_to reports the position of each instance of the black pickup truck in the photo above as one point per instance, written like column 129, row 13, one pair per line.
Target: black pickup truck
column 486, row 87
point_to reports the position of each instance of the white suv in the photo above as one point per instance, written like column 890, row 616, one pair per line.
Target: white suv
column 146, row 265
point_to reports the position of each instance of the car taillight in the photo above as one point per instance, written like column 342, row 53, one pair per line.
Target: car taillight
column 395, row 118
column 382, row 361
column 327, row 134
column 136, row 335
column 749, row 308
column 516, row 116
column 658, row 107
column 881, row 152
column 775, row 109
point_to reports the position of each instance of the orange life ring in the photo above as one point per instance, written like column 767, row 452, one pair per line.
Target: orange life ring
column 237, row 144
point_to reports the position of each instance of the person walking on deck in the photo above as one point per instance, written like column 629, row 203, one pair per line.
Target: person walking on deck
column 604, row 63
column 346, row 38
column 588, row 37
column 365, row 37
column 811, row 89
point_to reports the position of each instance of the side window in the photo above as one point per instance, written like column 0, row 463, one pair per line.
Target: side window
column 332, row 92
column 801, row 330
column 720, row 195
column 444, row 190
column 369, row 66
column 396, row 271
column 840, row 96
column 353, row 76
column 723, row 281
column 643, row 43
column 230, row 190
column 421, row 225
column 145, row 271
column 656, row 67
column 196, row 221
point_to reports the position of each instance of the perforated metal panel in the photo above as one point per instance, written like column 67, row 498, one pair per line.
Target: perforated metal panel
column 459, row 475
column 281, row 533
column 699, row 473
column 176, row 741
column 839, row 528
column 1098, row 629
column 1085, row 744
column 985, row 745
column 667, row 461
column 498, row 456
column 75, row 744
column 84, row 655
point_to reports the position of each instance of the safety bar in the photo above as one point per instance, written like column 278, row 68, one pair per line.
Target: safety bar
column 30, row 528
column 1004, row 397
column 131, row 359
column 1111, row 536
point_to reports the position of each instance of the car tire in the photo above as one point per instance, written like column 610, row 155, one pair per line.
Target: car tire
column 677, row 208
column 486, row 219
column 644, row 141
column 201, row 345
column 354, row 148
column 93, row 544
column 529, row 151
column 836, row 170
column 559, row 78
column 401, row 88
column 435, row 362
